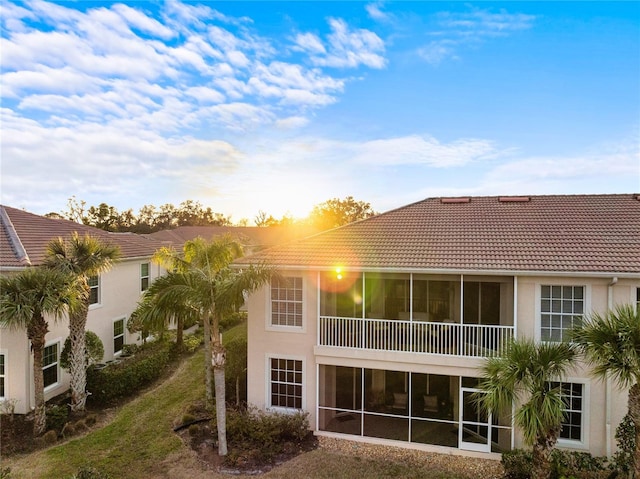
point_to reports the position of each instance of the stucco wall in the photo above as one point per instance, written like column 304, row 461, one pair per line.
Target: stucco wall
column 119, row 295
column 606, row 405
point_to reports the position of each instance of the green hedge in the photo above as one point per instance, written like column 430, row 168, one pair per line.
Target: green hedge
column 564, row 464
column 126, row 378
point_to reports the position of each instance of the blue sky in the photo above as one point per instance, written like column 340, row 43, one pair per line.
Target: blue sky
column 278, row 106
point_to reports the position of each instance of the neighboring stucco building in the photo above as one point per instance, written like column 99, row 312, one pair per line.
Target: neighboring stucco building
column 252, row 238
column 115, row 294
column 378, row 328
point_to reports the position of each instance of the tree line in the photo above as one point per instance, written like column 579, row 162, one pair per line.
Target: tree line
column 329, row 214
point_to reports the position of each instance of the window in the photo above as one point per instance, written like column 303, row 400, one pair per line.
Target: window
column 144, row 276
column 638, row 299
column 94, row 290
column 2, row 376
column 561, row 308
column 573, row 397
column 286, row 302
column 118, row 336
column 286, row 383
column 50, row 365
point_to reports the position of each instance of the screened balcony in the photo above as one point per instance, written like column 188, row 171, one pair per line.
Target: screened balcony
column 444, row 315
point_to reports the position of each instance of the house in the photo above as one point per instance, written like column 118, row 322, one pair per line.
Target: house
column 23, row 241
column 252, row 238
column 377, row 329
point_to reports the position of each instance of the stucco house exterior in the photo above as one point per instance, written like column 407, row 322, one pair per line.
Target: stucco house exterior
column 23, row 241
column 377, row 329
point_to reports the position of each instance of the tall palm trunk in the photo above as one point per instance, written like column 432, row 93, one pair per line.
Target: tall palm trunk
column 208, row 380
column 542, row 448
column 634, row 412
column 221, row 405
column 39, row 413
column 77, row 360
column 36, row 332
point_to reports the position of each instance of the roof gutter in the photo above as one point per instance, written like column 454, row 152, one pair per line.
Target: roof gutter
column 489, row 272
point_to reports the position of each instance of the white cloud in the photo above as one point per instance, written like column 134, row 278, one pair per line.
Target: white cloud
column 99, row 64
column 437, row 51
column 485, row 23
column 344, row 48
column 376, row 13
column 425, row 150
column 310, row 43
column 458, row 29
column 142, row 22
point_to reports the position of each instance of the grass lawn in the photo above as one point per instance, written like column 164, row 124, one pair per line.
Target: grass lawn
column 139, row 442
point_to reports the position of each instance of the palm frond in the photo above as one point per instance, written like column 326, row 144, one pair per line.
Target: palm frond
column 610, row 344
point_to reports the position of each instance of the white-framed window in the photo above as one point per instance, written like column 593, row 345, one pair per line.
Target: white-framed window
column 50, row 364
column 285, row 383
column 118, row 336
column 94, row 290
column 144, row 276
column 3, row 376
column 638, row 299
column 573, row 427
column 560, row 309
column 286, row 302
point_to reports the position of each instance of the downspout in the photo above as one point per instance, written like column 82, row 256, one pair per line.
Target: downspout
column 607, row 399
column 515, row 336
column 317, row 381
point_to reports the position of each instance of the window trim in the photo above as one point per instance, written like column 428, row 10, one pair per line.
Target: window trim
column 5, row 354
column 583, row 443
column 98, row 288
column 538, row 301
column 48, row 344
column 113, row 344
column 143, row 277
column 283, row 409
column 269, row 326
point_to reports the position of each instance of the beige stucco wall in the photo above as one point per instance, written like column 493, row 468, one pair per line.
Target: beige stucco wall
column 606, row 405
column 119, row 295
column 265, row 341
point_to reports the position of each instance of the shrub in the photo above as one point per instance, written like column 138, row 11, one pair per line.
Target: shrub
column 129, row 349
column 192, row 342
column 264, row 435
column 194, row 429
column 517, row 464
column 128, row 377
column 91, row 419
column 68, row 430
column 623, row 459
column 233, row 319
column 187, row 418
column 5, row 473
column 50, row 437
column 57, row 417
column 573, row 464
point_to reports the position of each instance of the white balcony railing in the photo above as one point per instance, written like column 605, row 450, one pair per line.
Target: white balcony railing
column 469, row 340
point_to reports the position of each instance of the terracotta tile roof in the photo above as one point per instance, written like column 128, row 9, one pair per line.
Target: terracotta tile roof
column 24, row 238
column 563, row 233
column 252, row 236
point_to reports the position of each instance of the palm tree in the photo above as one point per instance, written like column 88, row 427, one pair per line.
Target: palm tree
column 84, row 257
column 159, row 306
column 202, row 279
column 611, row 345
column 25, row 299
column 523, row 376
